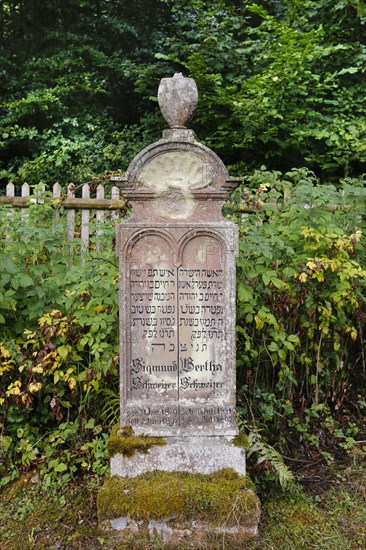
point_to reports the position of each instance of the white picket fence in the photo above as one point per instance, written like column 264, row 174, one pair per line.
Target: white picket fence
column 92, row 204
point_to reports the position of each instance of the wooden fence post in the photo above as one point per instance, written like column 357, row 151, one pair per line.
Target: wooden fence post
column 115, row 197
column 85, row 216
column 56, row 194
column 70, row 215
column 10, row 192
column 99, row 215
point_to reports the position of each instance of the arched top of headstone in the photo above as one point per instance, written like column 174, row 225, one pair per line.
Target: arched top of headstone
column 178, row 164
column 177, row 167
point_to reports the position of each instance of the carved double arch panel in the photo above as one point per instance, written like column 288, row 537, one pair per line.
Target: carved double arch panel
column 177, row 340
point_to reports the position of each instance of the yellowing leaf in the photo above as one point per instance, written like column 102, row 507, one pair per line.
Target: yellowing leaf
column 38, row 369
column 259, row 323
column 34, row 387
column 4, row 352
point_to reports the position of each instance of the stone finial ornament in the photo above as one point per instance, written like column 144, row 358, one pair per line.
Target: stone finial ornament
column 178, row 98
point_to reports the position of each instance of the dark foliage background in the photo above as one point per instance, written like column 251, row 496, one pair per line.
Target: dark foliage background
column 281, row 83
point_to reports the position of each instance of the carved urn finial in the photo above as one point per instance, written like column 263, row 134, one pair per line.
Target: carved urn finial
column 178, row 98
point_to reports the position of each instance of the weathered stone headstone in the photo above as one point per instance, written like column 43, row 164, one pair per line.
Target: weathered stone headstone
column 177, row 301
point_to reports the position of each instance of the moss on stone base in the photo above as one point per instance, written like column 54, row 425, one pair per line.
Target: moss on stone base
column 219, row 498
column 241, row 440
column 124, row 441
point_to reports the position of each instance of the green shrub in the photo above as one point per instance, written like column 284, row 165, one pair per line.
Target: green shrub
column 58, row 344
column 301, row 282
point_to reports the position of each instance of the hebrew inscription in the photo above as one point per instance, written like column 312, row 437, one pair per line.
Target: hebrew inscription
column 153, row 367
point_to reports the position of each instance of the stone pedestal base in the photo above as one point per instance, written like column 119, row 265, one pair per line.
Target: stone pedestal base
column 180, row 505
column 203, row 455
column 170, row 530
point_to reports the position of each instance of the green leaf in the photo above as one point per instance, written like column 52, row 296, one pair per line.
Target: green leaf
column 289, row 346
column 245, row 293
column 277, row 282
column 282, row 354
column 63, row 351
column 61, row 467
column 90, row 424
column 349, row 70
column 24, row 280
column 5, row 442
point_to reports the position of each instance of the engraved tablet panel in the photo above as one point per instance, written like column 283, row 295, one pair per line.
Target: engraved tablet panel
column 201, row 310
column 152, row 369
column 206, row 400
column 177, row 362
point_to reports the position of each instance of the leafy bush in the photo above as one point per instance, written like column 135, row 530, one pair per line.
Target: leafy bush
column 280, row 82
column 58, row 347
column 302, row 305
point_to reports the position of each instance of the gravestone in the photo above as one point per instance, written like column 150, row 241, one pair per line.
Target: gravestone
column 177, row 299
column 177, row 315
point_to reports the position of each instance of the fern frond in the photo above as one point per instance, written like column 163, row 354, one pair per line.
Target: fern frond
column 110, row 407
column 265, row 452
